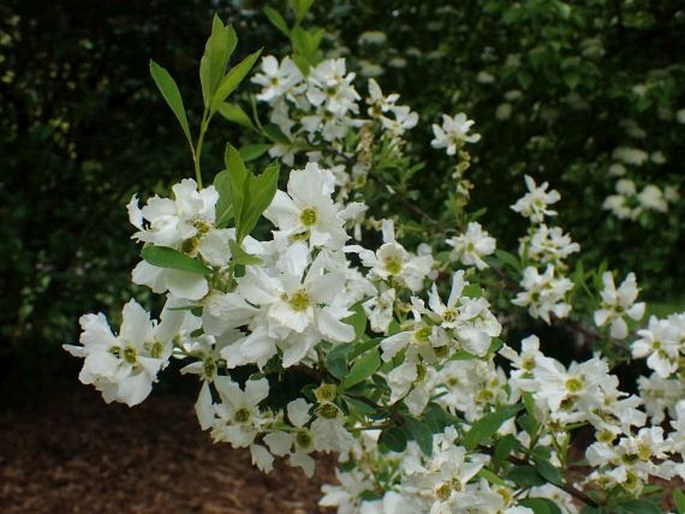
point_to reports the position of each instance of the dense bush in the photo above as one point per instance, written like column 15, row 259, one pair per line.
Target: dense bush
column 360, row 303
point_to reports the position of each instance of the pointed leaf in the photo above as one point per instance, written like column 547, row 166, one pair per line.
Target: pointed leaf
column 421, row 433
column 540, row 505
column 238, row 176
column 224, row 207
column 240, row 256
column 167, row 86
column 301, row 7
column 336, row 360
column 362, row 369
column 359, row 406
column 165, row 257
column 488, row 425
column 235, row 114
column 259, row 192
column 252, row 152
column 394, row 439
column 231, row 81
column 525, row 476
column 274, row 133
column 679, row 500
column 638, row 507
column 277, row 20
column 218, row 49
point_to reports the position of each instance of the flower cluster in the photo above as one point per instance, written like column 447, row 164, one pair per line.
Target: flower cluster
column 628, row 203
column 396, row 350
column 544, row 293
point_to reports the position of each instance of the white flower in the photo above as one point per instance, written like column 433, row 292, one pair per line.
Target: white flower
column 330, row 87
column 453, row 133
column 534, row 204
column 544, row 295
column 471, row 246
column 167, row 222
column 372, row 37
column 651, row 197
column 680, row 116
column 546, row 245
column 631, row 156
column 659, row 395
column 299, row 443
column 469, row 319
column 379, row 310
column 237, row 418
column 380, row 106
column 277, row 80
column 617, row 304
column 391, row 260
column 297, row 309
column 123, row 367
column 307, row 210
column 660, row 343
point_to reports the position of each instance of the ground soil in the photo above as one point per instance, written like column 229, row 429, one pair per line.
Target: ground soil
column 75, row 454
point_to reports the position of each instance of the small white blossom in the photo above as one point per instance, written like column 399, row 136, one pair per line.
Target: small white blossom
column 470, row 247
column 534, row 204
column 617, row 304
column 453, row 133
column 544, row 294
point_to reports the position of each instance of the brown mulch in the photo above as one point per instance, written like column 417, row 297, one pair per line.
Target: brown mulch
column 78, row 455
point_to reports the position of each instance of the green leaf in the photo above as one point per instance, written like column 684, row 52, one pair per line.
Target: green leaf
column 491, row 477
column 231, row 81
column 540, row 505
column 509, row 259
column 240, row 256
column 363, row 347
column 437, row 418
column 277, row 20
column 358, row 321
column 224, row 206
column 238, row 176
column 488, row 425
column 218, row 50
column 336, row 360
column 394, row 439
column 548, row 471
column 274, row 133
column 421, row 433
column 301, row 7
column 638, row 507
column 359, row 406
column 259, row 192
column 504, row 448
column 165, row 257
column 252, row 152
column 167, row 86
column 472, row 291
column 237, row 115
column 306, row 45
column 679, row 500
column 525, row 476
column 362, row 369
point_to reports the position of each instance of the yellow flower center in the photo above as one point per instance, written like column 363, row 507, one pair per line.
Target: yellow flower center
column 308, row 217
column 242, row 415
column 299, row 301
column 130, row 354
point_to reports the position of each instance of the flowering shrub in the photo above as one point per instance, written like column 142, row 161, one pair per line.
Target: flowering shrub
column 402, row 356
